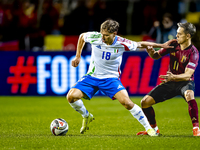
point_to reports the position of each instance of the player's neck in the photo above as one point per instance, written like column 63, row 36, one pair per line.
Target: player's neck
column 111, row 42
column 185, row 44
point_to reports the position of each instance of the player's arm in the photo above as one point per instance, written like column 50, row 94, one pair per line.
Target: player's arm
column 180, row 77
column 152, row 53
column 165, row 45
column 80, row 46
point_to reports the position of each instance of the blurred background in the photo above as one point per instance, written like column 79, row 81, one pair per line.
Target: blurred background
column 54, row 25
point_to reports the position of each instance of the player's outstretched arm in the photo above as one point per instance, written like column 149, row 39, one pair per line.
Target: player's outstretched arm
column 80, row 46
column 165, row 45
column 152, row 53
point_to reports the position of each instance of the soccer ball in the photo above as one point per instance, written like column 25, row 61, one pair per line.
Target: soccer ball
column 59, row 127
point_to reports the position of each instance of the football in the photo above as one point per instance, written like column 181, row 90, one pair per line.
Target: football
column 59, row 127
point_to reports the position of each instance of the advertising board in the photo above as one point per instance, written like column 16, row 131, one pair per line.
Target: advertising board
column 51, row 73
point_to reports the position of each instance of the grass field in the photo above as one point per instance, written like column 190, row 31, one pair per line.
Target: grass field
column 25, row 121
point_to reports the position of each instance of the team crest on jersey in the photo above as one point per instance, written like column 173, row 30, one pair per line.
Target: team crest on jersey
column 183, row 59
column 173, row 53
column 98, row 46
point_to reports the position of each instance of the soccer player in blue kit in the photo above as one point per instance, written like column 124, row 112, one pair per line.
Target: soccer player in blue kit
column 179, row 79
column 104, row 72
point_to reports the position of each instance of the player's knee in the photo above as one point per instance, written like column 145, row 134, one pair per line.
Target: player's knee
column 143, row 102
column 127, row 103
column 189, row 95
column 146, row 102
column 70, row 97
column 74, row 95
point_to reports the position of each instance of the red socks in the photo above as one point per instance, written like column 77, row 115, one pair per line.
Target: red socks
column 192, row 108
column 193, row 111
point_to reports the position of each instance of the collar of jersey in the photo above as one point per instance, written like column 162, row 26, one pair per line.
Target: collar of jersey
column 114, row 40
column 188, row 47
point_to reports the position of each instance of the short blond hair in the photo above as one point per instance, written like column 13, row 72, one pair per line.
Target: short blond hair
column 110, row 25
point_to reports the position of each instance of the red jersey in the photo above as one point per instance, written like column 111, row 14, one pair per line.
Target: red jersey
column 181, row 59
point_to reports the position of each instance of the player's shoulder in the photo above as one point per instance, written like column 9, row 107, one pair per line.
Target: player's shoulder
column 194, row 49
column 93, row 34
column 176, row 46
column 174, row 43
column 93, row 37
column 123, row 40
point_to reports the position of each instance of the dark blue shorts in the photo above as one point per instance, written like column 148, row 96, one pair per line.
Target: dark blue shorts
column 90, row 85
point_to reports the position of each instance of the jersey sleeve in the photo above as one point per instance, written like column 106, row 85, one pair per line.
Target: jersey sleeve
column 133, row 46
column 92, row 37
column 164, row 51
column 193, row 61
column 128, row 44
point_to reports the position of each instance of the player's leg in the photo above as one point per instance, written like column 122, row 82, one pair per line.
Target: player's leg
column 113, row 88
column 135, row 110
column 193, row 111
column 148, row 110
column 159, row 94
column 187, row 92
column 74, row 98
column 83, row 88
column 146, row 104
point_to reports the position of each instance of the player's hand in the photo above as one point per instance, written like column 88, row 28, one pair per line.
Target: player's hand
column 166, row 78
column 167, row 44
column 76, row 61
column 149, row 49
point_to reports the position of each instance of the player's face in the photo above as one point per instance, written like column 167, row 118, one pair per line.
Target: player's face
column 107, row 37
column 181, row 36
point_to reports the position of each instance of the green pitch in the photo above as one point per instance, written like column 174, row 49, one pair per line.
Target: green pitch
column 25, row 121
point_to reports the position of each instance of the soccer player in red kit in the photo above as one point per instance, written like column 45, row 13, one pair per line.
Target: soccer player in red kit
column 179, row 79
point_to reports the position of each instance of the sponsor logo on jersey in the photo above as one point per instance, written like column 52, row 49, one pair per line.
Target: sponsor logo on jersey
column 173, row 53
column 98, row 46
